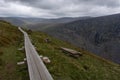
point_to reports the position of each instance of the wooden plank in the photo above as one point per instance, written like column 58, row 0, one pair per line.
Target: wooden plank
column 37, row 69
column 71, row 52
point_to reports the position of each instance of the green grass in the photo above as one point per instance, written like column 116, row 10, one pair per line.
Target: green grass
column 64, row 67
column 10, row 40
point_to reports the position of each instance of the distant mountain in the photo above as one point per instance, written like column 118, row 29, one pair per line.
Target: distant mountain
column 19, row 21
column 13, row 20
column 100, row 35
column 53, row 22
column 64, row 19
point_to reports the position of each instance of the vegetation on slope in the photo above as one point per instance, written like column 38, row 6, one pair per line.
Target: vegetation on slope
column 10, row 41
column 64, row 67
column 99, row 35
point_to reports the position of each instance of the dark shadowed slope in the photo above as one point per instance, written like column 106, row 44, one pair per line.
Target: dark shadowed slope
column 100, row 35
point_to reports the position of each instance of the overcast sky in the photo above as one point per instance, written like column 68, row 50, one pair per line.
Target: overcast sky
column 58, row 8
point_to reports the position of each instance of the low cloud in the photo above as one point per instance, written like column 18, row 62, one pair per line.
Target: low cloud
column 58, row 8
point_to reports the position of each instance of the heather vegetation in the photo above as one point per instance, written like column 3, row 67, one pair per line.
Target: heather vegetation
column 10, row 40
column 99, row 35
column 65, row 67
column 62, row 66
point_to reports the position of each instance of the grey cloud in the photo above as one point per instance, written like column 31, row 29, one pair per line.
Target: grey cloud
column 61, row 4
column 44, row 4
column 62, row 8
column 109, row 3
column 47, row 4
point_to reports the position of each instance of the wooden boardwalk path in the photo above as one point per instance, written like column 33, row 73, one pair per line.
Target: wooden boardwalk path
column 37, row 69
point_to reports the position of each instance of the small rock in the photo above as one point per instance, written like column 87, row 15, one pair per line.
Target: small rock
column 20, row 63
column 46, row 59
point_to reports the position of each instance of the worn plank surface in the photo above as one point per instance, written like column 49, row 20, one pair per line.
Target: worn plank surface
column 74, row 52
column 37, row 69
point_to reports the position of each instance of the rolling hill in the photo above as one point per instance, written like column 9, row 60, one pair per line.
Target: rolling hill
column 40, row 23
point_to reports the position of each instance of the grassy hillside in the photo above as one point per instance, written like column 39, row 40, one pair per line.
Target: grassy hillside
column 10, row 41
column 64, row 67
column 99, row 35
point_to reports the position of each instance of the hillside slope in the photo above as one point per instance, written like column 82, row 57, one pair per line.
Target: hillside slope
column 64, row 67
column 100, row 35
column 10, row 41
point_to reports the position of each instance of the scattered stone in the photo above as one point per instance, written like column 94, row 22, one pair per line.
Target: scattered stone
column 41, row 56
column 46, row 59
column 25, row 59
column 20, row 63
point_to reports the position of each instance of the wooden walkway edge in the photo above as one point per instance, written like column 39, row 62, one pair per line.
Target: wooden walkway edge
column 37, row 69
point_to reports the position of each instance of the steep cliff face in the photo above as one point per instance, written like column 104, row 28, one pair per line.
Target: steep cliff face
column 100, row 35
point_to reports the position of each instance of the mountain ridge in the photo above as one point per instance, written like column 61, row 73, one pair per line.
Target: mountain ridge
column 21, row 21
column 99, row 35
